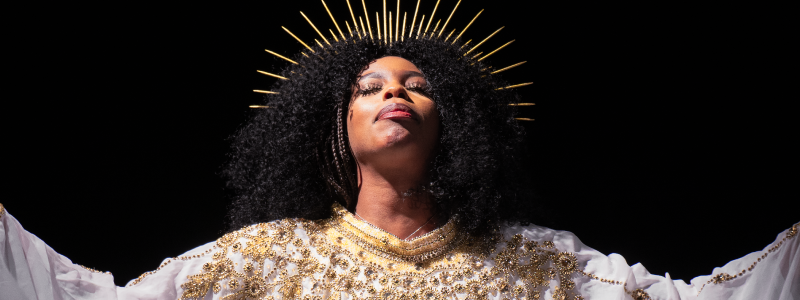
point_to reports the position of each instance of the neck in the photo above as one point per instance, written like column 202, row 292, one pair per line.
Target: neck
column 382, row 202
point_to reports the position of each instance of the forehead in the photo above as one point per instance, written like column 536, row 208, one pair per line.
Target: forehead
column 391, row 64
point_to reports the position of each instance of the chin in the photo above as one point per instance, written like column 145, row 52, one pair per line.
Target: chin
column 396, row 136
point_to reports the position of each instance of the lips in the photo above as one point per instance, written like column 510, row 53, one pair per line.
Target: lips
column 395, row 111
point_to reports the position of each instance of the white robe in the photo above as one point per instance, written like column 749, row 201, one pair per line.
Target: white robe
column 30, row 269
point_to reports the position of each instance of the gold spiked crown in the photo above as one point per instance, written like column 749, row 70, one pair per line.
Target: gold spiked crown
column 386, row 35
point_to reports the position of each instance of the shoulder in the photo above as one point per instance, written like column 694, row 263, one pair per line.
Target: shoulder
column 275, row 232
column 560, row 239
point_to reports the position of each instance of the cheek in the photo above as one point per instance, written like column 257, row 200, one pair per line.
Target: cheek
column 356, row 126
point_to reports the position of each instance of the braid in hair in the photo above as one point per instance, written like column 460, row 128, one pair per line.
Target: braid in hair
column 345, row 153
column 331, row 162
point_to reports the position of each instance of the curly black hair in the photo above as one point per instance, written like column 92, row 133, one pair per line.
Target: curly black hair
column 293, row 158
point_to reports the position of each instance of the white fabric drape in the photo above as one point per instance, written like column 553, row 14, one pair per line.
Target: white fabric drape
column 29, row 269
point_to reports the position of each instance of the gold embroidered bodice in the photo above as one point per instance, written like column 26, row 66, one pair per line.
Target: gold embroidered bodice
column 345, row 258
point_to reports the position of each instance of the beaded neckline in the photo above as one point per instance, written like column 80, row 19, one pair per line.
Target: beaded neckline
column 384, row 244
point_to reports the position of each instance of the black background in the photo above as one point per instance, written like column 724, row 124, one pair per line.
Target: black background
column 662, row 132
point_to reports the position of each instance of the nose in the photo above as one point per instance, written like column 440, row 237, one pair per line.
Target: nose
column 395, row 92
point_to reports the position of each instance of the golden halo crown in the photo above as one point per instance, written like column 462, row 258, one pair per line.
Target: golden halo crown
column 386, row 34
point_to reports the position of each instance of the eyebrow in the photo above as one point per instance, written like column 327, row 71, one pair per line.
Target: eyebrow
column 379, row 75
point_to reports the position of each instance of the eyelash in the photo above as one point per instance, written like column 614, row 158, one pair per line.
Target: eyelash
column 374, row 88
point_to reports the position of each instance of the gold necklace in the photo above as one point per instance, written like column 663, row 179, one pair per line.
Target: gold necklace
column 405, row 239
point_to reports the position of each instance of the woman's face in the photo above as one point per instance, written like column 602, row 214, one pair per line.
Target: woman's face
column 391, row 119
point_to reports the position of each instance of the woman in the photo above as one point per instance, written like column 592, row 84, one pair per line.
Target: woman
column 413, row 193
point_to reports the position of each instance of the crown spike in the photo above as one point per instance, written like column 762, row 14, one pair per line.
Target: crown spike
column 304, row 54
column 334, row 35
column 366, row 16
column 509, row 67
column 351, row 30
column 391, row 36
column 362, row 26
column 318, row 43
column 265, row 92
column 521, row 104
column 397, row 22
column 281, row 56
column 298, row 39
column 403, row 36
column 434, row 28
column 498, row 49
column 334, row 20
column 514, row 86
column 448, row 18
column 355, row 24
column 273, row 75
column 431, row 19
column 420, row 25
column 484, row 40
column 476, row 55
column 414, row 20
column 315, row 28
column 465, row 44
column 449, row 35
column 258, row 106
column 378, row 20
column 523, row 119
column 465, row 28
column 385, row 30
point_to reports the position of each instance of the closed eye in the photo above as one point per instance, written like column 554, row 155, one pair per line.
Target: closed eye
column 419, row 89
column 369, row 90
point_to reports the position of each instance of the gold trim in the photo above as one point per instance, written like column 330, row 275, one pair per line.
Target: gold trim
column 389, row 246
column 723, row 277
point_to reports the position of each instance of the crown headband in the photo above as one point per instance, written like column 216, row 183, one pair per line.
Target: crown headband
column 390, row 36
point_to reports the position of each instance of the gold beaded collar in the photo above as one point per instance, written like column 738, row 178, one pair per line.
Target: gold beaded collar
column 389, row 246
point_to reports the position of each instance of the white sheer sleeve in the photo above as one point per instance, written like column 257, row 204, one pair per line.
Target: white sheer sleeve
column 773, row 273
column 29, row 269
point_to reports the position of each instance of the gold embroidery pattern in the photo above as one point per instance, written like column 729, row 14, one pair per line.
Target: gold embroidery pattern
column 329, row 259
column 723, row 277
column 164, row 264
column 93, row 270
column 2, row 210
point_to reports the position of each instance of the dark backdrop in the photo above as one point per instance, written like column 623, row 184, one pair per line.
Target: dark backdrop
column 662, row 130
